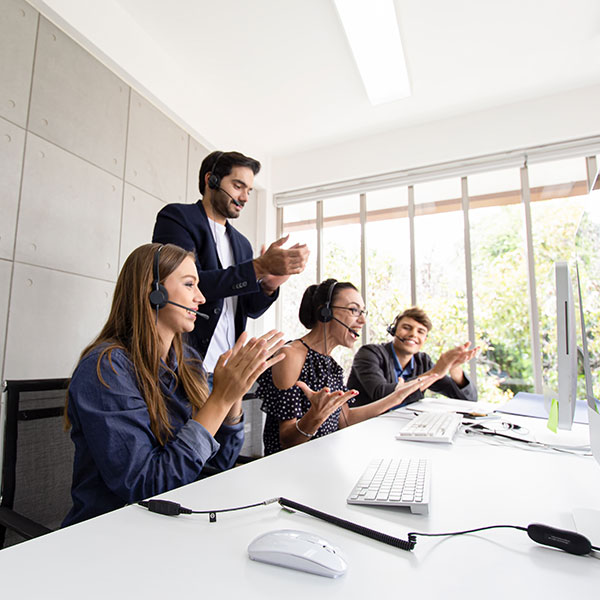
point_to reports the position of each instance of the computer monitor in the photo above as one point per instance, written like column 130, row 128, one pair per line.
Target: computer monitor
column 587, row 250
column 566, row 346
column 587, row 519
column 593, row 414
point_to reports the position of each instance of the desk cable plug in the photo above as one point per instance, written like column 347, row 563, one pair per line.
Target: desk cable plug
column 172, row 509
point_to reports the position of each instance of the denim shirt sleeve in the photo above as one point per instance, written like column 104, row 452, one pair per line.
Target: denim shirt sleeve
column 115, row 423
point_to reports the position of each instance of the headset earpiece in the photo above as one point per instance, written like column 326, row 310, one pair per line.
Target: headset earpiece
column 159, row 295
column 214, row 181
column 325, row 313
column 391, row 329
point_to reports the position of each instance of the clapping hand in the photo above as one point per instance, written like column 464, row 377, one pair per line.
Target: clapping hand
column 274, row 265
column 454, row 358
column 406, row 388
column 238, row 368
column 325, row 402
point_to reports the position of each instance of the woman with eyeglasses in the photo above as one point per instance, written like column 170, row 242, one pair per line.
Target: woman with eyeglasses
column 304, row 395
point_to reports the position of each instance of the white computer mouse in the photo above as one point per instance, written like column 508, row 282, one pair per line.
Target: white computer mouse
column 299, row 550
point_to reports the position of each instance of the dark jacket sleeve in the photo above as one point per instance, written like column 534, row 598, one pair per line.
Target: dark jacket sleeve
column 448, row 387
column 184, row 225
column 371, row 374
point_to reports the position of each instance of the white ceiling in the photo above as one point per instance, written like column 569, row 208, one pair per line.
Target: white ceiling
column 278, row 75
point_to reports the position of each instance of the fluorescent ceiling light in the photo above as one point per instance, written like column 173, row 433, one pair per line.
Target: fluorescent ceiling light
column 372, row 29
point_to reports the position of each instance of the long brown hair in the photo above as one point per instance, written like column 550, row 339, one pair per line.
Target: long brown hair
column 131, row 326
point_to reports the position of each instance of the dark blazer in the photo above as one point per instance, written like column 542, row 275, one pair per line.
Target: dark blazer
column 374, row 376
column 187, row 225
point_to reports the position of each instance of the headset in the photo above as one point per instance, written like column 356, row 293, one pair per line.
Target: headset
column 391, row 329
column 325, row 313
column 214, row 181
column 159, row 297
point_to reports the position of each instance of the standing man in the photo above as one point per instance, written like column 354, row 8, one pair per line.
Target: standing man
column 235, row 285
column 378, row 368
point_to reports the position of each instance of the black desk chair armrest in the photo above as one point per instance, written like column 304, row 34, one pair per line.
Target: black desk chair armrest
column 21, row 525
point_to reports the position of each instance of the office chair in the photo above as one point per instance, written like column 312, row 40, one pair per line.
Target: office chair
column 37, row 459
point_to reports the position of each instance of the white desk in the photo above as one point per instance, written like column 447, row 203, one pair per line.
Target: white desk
column 132, row 553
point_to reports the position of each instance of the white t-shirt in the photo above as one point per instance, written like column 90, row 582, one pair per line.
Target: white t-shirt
column 224, row 336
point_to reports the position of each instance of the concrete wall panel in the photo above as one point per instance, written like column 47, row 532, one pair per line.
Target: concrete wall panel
column 12, row 141
column 139, row 216
column 70, row 213
column 77, row 103
column 18, row 25
column 156, row 152
column 52, row 317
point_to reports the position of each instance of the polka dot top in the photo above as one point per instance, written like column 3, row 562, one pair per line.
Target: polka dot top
column 318, row 371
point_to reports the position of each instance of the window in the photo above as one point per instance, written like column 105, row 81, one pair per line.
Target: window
column 470, row 267
column 558, row 193
column 299, row 221
column 440, row 263
column 388, row 263
column 341, row 251
column 500, row 293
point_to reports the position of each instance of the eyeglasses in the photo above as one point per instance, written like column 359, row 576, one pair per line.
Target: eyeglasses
column 356, row 312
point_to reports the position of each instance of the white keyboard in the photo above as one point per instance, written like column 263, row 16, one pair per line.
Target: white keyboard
column 431, row 427
column 394, row 482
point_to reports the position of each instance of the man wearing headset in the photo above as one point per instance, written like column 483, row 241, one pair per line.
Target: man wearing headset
column 235, row 284
column 377, row 368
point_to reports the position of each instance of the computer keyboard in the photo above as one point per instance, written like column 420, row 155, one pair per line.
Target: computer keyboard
column 431, row 427
column 394, row 482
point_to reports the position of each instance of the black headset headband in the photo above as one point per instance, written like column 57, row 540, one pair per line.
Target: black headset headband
column 158, row 295
column 391, row 329
column 325, row 313
column 214, row 181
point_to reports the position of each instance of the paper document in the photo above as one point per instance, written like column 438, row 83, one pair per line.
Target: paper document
column 443, row 404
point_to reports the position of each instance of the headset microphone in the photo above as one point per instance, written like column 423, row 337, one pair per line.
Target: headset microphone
column 236, row 202
column 204, row 316
column 346, row 326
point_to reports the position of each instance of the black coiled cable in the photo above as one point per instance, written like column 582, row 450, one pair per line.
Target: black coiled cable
column 370, row 533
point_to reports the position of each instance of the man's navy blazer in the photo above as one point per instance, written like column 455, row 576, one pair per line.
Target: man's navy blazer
column 187, row 225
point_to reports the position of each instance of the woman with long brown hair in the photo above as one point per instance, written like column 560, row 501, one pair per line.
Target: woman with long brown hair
column 141, row 415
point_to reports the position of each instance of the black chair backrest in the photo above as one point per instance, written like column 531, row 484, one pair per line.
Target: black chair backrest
column 37, row 458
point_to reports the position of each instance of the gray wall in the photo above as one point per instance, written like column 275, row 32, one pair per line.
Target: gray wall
column 86, row 163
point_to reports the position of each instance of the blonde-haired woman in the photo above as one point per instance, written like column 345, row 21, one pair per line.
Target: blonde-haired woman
column 141, row 415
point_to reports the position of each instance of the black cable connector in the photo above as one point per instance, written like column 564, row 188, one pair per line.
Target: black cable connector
column 165, row 507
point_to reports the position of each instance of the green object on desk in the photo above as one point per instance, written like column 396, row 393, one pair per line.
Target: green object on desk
column 553, row 417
